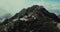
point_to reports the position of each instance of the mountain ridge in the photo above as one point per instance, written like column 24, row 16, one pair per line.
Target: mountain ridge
column 35, row 19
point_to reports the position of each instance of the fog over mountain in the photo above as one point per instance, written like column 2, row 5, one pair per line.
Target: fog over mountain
column 4, row 15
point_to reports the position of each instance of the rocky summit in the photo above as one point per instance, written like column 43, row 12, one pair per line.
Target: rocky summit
column 32, row 19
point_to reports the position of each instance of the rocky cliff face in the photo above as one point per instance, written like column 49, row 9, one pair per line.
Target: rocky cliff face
column 32, row 19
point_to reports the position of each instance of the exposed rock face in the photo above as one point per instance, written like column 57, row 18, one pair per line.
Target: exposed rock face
column 33, row 19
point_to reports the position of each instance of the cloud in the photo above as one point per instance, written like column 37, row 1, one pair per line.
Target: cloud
column 14, row 6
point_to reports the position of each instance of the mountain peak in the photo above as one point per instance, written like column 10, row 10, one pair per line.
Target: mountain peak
column 35, row 19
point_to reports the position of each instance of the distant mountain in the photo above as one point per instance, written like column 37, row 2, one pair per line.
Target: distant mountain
column 32, row 19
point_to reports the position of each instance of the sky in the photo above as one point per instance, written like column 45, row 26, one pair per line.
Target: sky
column 14, row 6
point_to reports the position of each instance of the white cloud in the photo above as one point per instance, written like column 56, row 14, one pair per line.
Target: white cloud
column 14, row 6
